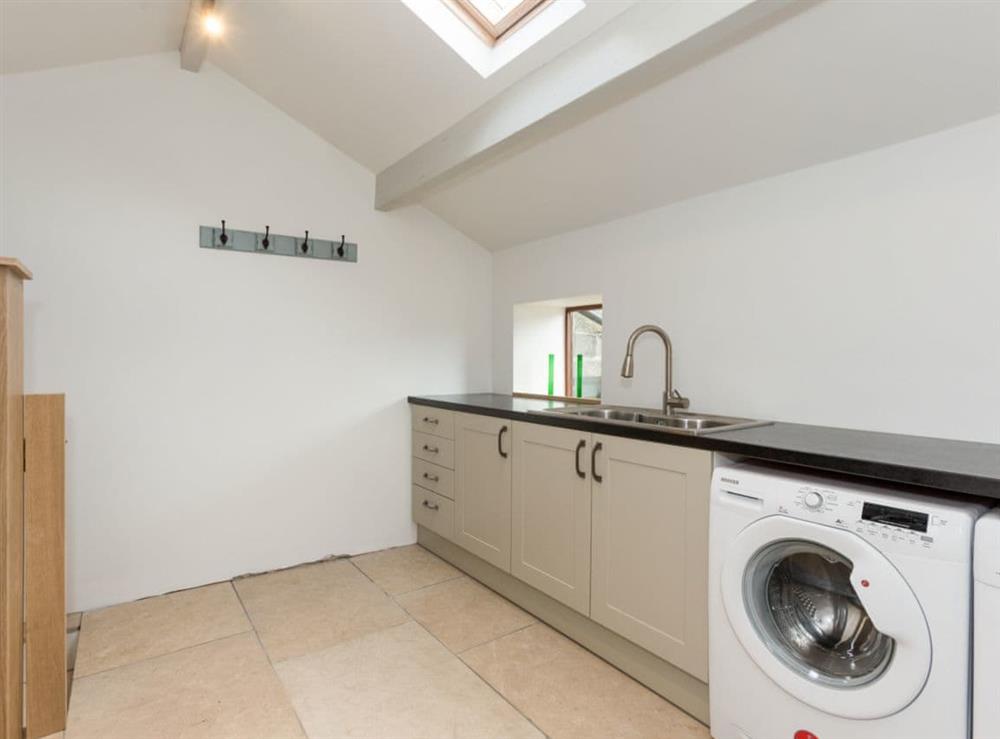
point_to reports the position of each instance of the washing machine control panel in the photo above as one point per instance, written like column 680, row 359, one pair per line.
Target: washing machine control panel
column 889, row 526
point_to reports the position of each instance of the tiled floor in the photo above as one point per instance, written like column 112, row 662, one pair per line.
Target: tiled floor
column 388, row 645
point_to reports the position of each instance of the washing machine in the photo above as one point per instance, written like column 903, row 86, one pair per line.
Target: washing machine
column 986, row 634
column 837, row 610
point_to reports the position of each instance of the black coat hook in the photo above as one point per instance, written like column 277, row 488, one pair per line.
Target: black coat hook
column 340, row 249
column 267, row 233
column 305, row 243
column 223, row 238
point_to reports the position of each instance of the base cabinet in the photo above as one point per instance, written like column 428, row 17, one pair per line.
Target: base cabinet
column 482, row 487
column 650, row 553
column 551, row 512
column 614, row 528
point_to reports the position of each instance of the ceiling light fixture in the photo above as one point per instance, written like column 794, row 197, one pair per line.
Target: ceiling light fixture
column 212, row 25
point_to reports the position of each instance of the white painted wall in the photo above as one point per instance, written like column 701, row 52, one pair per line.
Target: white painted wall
column 226, row 412
column 863, row 293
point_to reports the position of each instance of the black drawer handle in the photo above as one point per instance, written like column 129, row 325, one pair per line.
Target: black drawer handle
column 576, row 458
column 500, row 442
column 431, row 449
column 432, row 478
column 435, row 421
column 593, row 461
column 431, row 506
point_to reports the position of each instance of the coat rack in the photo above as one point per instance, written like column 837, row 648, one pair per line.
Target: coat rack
column 265, row 242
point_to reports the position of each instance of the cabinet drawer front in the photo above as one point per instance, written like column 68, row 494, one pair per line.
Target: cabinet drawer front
column 434, row 512
column 434, row 449
column 434, row 477
column 433, row 421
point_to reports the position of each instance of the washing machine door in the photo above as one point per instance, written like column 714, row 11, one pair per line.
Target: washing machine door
column 827, row 617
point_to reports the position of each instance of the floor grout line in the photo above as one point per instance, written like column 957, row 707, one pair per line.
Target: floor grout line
column 368, row 577
column 77, row 676
column 270, row 662
column 518, row 630
column 459, row 576
column 480, row 678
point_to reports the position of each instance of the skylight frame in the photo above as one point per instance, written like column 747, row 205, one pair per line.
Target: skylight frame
column 493, row 33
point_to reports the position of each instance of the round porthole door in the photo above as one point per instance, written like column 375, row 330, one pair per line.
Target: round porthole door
column 827, row 617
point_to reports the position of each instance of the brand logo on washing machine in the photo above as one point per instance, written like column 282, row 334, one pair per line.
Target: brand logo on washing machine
column 730, row 480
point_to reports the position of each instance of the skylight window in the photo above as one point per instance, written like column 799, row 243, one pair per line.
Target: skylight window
column 489, row 34
column 494, row 18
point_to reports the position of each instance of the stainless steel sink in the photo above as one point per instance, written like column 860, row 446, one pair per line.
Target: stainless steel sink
column 678, row 422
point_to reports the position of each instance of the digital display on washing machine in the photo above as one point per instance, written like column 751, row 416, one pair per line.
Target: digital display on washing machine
column 890, row 516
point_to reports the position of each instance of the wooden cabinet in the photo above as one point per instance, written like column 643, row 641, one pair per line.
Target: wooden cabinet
column 482, row 487
column 551, row 512
column 650, row 551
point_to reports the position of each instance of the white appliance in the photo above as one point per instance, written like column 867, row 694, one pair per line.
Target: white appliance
column 837, row 610
column 986, row 634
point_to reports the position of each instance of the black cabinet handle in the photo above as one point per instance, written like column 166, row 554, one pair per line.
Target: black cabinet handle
column 500, row 442
column 593, row 460
column 579, row 446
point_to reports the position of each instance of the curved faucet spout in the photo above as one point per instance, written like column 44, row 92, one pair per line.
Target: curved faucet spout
column 671, row 398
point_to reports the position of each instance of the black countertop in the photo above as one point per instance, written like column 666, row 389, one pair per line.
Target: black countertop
column 966, row 467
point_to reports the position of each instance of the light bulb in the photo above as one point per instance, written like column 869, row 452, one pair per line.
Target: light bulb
column 212, row 25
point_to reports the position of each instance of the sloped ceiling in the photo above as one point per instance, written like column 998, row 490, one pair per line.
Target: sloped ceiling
column 838, row 79
column 40, row 34
column 368, row 75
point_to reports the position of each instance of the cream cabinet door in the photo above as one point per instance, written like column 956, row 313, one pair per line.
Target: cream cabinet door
column 650, row 555
column 482, row 487
column 551, row 512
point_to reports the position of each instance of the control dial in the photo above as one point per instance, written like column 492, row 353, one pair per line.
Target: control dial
column 813, row 500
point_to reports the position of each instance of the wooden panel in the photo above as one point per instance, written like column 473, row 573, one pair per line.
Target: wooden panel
column 11, row 501
column 650, row 547
column 551, row 512
column 434, row 449
column 434, row 512
column 45, row 563
column 15, row 266
column 482, row 487
column 433, row 421
column 434, row 477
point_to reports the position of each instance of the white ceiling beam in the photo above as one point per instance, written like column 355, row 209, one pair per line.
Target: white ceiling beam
column 195, row 41
column 637, row 50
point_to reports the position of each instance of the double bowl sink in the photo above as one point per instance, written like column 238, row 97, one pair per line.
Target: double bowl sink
column 678, row 422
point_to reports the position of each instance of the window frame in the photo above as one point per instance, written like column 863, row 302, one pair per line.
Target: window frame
column 493, row 33
column 568, row 343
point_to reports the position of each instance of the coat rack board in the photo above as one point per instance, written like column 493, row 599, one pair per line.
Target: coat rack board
column 265, row 242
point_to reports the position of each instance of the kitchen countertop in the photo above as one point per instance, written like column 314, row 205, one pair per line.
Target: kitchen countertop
column 968, row 467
